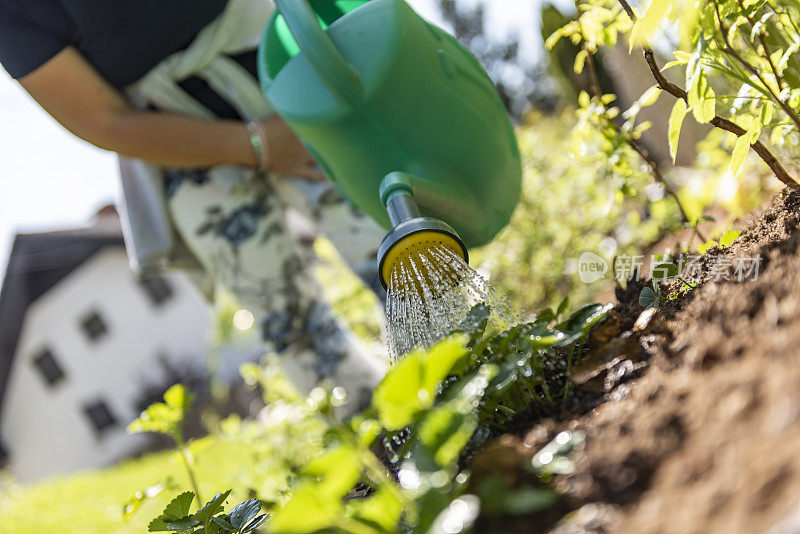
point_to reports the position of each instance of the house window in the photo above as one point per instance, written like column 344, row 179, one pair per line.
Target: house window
column 99, row 415
column 94, row 326
column 48, row 367
column 157, row 289
column 4, row 456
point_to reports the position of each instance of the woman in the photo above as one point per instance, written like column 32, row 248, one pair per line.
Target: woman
column 172, row 84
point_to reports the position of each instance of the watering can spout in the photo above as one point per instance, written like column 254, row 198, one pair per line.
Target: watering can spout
column 412, row 232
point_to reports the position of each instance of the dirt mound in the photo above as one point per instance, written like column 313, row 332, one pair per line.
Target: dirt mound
column 698, row 424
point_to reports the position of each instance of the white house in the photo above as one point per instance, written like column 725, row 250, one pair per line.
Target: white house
column 79, row 335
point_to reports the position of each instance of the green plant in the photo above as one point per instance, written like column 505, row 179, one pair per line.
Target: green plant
column 167, row 418
column 210, row 518
column 746, row 48
column 580, row 202
column 428, row 413
column 651, row 297
column 725, row 240
column 597, row 113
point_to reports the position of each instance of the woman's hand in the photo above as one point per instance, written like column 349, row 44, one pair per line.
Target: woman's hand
column 286, row 154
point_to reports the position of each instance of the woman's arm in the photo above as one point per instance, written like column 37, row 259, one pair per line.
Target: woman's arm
column 75, row 94
column 78, row 97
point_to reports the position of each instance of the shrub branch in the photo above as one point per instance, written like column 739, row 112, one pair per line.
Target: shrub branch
column 640, row 150
column 719, row 122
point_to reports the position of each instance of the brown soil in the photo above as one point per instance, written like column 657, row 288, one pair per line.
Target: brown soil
column 692, row 412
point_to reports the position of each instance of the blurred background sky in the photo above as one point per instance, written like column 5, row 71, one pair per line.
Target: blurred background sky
column 50, row 179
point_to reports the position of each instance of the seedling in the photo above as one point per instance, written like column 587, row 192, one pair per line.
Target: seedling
column 726, row 240
column 167, row 418
column 210, row 518
column 651, row 297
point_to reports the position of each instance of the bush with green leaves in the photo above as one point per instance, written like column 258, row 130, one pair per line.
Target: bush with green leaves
column 742, row 71
column 575, row 198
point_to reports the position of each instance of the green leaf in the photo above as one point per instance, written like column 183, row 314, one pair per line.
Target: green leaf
column 177, row 397
column 212, row 507
column 546, row 316
column 701, row 97
column 382, row 509
column 255, row 523
column 648, row 298
column 212, row 529
column 649, row 23
column 740, row 150
column 178, row 508
column 158, row 525
column 765, row 113
column 498, row 499
column 338, row 470
column 675, row 123
column 681, row 58
column 222, row 522
column 664, row 270
column 650, row 96
column 584, row 318
column 410, row 386
column 705, row 246
column 576, row 327
column 182, row 525
column 446, row 431
column 306, row 511
column 164, row 417
column 786, row 55
column 563, row 306
column 729, row 237
column 243, row 513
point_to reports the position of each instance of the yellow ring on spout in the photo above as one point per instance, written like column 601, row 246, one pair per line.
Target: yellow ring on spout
column 424, row 239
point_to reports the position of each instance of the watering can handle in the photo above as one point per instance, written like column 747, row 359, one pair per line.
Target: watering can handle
column 326, row 60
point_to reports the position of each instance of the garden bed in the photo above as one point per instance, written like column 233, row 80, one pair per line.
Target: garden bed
column 691, row 411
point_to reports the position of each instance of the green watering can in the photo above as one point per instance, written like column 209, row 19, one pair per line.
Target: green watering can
column 402, row 118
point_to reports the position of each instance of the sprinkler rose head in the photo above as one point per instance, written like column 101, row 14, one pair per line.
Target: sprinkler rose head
column 418, row 233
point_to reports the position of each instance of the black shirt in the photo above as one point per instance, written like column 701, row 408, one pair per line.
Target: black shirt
column 122, row 39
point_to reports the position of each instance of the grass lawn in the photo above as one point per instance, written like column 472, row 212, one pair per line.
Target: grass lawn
column 92, row 502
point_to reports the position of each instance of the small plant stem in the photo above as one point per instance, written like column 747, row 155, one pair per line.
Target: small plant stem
column 735, row 55
column 643, row 153
column 181, row 445
column 763, row 42
column 719, row 122
column 659, row 178
column 546, row 391
column 569, row 359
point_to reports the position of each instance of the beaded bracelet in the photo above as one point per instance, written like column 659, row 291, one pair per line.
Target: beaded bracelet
column 258, row 140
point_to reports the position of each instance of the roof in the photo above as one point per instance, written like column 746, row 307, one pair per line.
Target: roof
column 37, row 263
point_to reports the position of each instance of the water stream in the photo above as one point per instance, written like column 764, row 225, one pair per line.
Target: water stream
column 430, row 292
